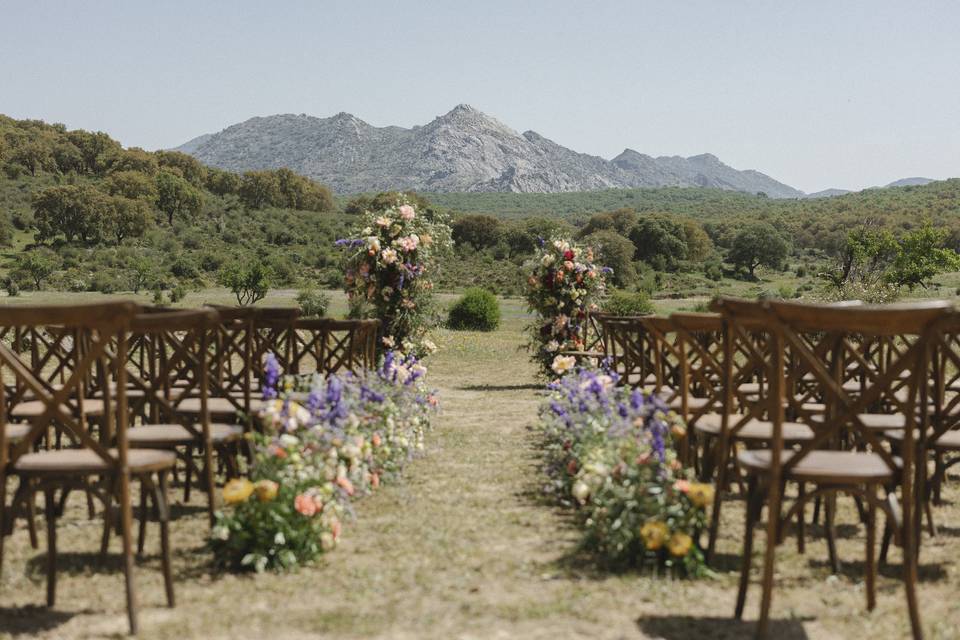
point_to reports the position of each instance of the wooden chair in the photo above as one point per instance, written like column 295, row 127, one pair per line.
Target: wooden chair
column 818, row 336
column 325, row 345
column 628, row 350
column 103, row 466
column 180, row 341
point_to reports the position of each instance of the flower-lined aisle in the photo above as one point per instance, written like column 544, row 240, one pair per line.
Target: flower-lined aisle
column 609, row 455
column 325, row 441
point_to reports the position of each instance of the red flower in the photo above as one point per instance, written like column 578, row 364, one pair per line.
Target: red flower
column 568, row 254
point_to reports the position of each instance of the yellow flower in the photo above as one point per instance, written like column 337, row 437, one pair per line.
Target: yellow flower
column 266, row 490
column 679, row 544
column 237, row 490
column 654, row 534
column 700, row 494
column 678, row 431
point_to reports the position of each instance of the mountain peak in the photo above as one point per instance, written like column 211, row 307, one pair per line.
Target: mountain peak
column 462, row 150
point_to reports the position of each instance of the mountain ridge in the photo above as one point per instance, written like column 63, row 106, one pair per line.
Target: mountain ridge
column 462, row 150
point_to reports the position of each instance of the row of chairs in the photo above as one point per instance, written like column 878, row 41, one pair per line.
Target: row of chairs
column 797, row 403
column 95, row 397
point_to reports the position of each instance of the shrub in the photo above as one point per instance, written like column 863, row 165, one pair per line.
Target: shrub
column 12, row 287
column 178, row 293
column 476, row 310
column 313, row 303
column 713, row 271
column 626, row 303
column 249, row 282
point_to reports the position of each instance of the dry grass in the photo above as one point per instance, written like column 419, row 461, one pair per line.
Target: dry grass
column 464, row 548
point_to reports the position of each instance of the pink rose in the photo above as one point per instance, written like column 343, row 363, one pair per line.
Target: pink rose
column 305, row 505
column 407, row 212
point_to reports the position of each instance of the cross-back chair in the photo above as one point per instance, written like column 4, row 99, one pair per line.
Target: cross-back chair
column 844, row 455
column 327, row 346
column 627, row 349
column 100, row 463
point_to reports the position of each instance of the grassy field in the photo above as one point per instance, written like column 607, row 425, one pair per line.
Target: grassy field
column 466, row 548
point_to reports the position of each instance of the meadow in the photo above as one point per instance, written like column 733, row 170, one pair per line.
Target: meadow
column 467, row 547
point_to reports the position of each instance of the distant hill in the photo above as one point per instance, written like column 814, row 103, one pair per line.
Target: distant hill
column 463, row 150
column 910, row 182
column 828, row 193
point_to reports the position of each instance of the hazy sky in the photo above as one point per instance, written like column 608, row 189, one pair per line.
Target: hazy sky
column 814, row 93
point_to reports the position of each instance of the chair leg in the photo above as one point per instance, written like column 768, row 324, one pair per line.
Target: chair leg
column 830, row 512
column 871, row 522
column 208, row 477
column 717, row 501
column 163, row 512
column 142, row 533
column 188, row 472
column 50, row 507
column 910, row 579
column 126, row 526
column 801, row 519
column 938, row 477
column 773, row 524
column 3, row 514
column 31, row 519
column 747, row 557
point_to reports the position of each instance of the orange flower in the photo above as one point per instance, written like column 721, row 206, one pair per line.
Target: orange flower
column 305, row 505
column 346, row 485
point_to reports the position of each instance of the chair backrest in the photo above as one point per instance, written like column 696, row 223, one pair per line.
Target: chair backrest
column 326, row 345
column 232, row 367
column 667, row 353
column 627, row 348
column 700, row 342
column 179, row 344
column 819, row 340
column 97, row 348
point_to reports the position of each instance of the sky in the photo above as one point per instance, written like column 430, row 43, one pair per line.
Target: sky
column 817, row 94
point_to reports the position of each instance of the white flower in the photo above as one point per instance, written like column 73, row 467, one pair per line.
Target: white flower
column 389, row 255
column 407, row 212
column 383, row 221
column 547, row 259
column 279, row 539
column 388, row 341
column 220, row 532
column 580, row 491
column 367, row 231
column 403, row 374
column 562, row 364
column 552, row 346
column 429, row 346
column 373, row 243
column 288, row 440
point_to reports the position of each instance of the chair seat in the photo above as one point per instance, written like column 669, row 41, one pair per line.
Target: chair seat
column 949, row 441
column 218, row 406
column 16, row 432
column 749, row 388
column 30, row 409
column 172, row 435
column 692, row 403
column 710, row 424
column 823, row 466
column 86, row 461
column 883, row 421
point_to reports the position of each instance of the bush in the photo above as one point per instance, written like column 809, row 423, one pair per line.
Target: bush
column 476, row 310
column 626, row 303
column 12, row 287
column 178, row 293
column 313, row 303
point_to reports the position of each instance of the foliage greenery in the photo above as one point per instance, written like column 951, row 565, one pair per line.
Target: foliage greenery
column 476, row 310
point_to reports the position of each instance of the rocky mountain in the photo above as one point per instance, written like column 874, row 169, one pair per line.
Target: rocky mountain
column 828, row 193
column 463, row 150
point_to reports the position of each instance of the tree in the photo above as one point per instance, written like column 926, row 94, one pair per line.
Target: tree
column 385, row 200
column 921, row 256
column 34, row 156
column 126, row 218
column 131, row 184
column 478, row 231
column 222, row 182
column 176, row 196
column 659, row 241
column 249, row 282
column 758, row 245
column 186, row 166
column 134, row 159
column 299, row 192
column 75, row 211
column 622, row 221
column 96, row 148
column 143, row 273
column 36, row 265
column 259, row 189
column 616, row 252
column 699, row 244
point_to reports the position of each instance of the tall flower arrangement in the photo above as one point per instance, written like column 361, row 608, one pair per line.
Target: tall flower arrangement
column 563, row 286
column 388, row 270
column 325, row 441
column 609, row 455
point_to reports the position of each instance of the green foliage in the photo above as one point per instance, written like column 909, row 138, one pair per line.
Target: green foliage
column 283, row 188
column 479, row 231
column 660, row 241
column 313, row 303
column 36, row 266
column 177, row 196
column 476, row 310
column 249, row 281
column 628, row 303
column 758, row 245
column 73, row 211
column 616, row 252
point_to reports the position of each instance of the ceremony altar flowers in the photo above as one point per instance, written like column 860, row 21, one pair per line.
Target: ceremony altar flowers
column 324, row 441
column 610, row 456
column 563, row 286
column 388, row 272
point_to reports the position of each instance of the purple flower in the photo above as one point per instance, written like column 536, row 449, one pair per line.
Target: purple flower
column 271, row 376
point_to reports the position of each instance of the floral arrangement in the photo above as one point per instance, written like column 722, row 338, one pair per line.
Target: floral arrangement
column 610, row 455
column 325, row 441
column 388, row 272
column 563, row 286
